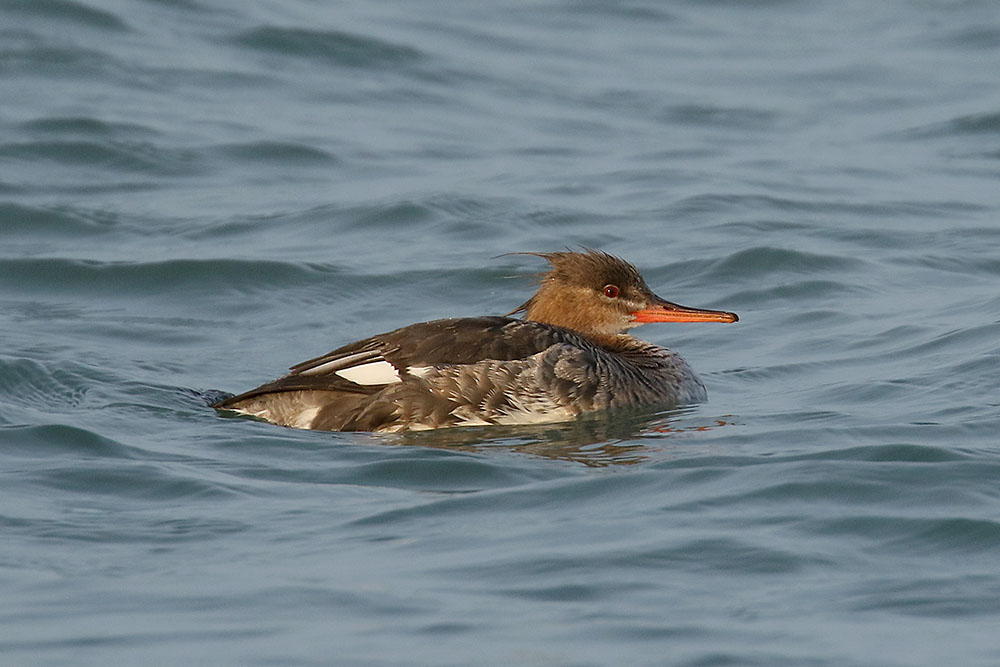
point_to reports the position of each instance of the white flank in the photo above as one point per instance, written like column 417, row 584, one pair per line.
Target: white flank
column 305, row 418
column 531, row 417
column 468, row 417
column 536, row 411
column 376, row 372
column 419, row 371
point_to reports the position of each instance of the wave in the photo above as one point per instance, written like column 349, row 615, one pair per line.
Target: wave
column 67, row 11
column 330, row 47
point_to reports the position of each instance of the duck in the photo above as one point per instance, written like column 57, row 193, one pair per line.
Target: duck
column 568, row 355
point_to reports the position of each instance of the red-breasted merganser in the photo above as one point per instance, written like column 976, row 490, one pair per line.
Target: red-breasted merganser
column 569, row 355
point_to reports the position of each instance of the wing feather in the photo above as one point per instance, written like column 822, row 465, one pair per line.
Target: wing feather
column 450, row 342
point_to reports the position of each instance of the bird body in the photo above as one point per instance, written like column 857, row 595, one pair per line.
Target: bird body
column 568, row 356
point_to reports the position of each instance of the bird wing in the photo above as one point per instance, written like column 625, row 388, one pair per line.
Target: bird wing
column 370, row 365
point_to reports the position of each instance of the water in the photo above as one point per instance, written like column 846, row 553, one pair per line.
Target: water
column 195, row 195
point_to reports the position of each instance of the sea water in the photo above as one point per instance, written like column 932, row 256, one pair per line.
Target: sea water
column 195, row 195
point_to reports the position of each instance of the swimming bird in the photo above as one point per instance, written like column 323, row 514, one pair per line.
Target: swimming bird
column 569, row 355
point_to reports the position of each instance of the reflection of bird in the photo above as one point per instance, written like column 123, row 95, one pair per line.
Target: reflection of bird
column 569, row 355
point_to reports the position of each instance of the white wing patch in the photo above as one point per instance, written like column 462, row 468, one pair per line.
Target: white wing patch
column 339, row 362
column 375, row 372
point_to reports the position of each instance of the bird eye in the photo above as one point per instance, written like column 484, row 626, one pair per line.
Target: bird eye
column 611, row 291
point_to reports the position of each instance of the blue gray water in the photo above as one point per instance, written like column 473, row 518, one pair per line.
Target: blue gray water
column 195, row 195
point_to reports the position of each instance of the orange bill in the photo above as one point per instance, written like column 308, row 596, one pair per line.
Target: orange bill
column 664, row 311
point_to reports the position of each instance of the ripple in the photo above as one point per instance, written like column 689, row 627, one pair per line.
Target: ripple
column 742, row 203
column 62, row 276
column 451, row 474
column 127, row 156
column 937, row 596
column 987, row 266
column 891, row 452
column 85, row 126
column 136, row 480
column 65, row 10
column 765, row 260
column 278, row 152
column 730, row 118
column 55, row 61
column 28, row 382
column 720, row 554
column 794, row 293
column 96, row 529
column 981, row 37
column 20, row 220
column 329, row 46
column 918, row 535
column 982, row 338
column 48, row 440
column 713, row 556
column 972, row 124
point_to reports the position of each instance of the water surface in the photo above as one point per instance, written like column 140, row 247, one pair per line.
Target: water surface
column 195, row 195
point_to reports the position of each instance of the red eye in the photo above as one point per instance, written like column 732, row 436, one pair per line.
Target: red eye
column 611, row 291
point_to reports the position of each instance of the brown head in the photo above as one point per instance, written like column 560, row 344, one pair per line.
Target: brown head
column 595, row 293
